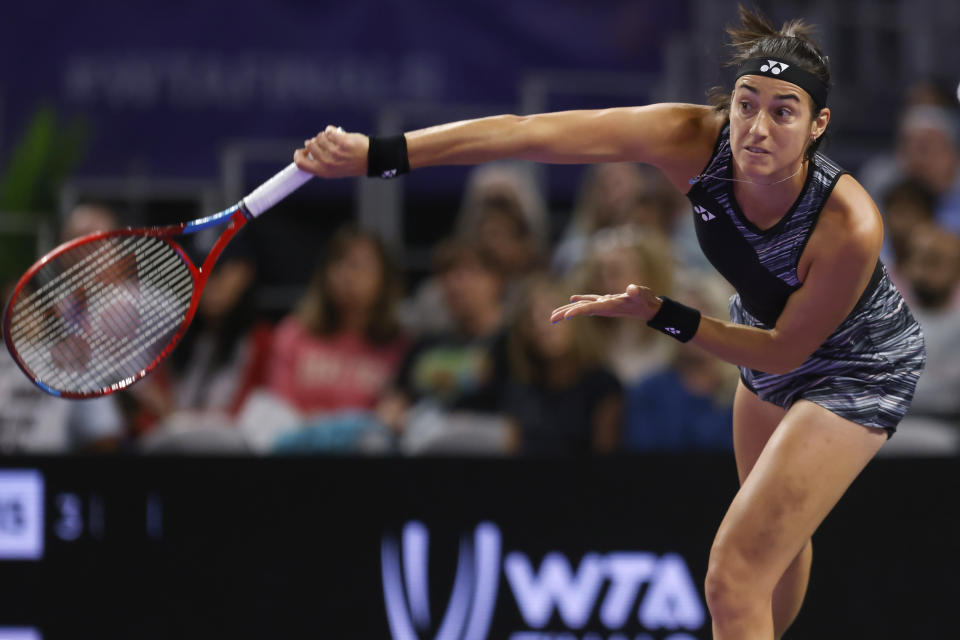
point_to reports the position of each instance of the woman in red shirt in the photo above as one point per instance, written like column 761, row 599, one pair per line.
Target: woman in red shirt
column 342, row 345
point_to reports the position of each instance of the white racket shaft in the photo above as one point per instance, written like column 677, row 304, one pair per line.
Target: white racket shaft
column 275, row 189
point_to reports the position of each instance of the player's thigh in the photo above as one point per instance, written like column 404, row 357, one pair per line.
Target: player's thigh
column 808, row 463
column 754, row 421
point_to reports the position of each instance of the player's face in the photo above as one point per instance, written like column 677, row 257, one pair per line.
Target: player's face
column 771, row 124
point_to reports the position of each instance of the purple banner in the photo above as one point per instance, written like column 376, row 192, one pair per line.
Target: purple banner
column 162, row 87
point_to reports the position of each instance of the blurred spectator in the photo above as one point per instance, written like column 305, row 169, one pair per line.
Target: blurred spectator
column 448, row 394
column 683, row 408
column 607, row 199
column 504, row 213
column 562, row 399
column 937, row 91
column 659, row 207
column 688, row 406
column 32, row 421
column 616, row 258
column 333, row 357
column 932, row 270
column 655, row 208
column 342, row 345
column 906, row 206
column 213, row 369
column 928, row 151
column 88, row 218
column 221, row 357
column 503, row 210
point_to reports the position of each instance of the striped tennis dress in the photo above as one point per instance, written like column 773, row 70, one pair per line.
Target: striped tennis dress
column 867, row 369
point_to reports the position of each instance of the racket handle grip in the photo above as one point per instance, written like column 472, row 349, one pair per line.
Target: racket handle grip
column 275, row 189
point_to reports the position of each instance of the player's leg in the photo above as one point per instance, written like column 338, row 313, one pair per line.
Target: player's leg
column 754, row 421
column 806, row 466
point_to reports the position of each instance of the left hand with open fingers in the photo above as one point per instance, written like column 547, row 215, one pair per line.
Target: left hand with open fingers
column 635, row 302
column 334, row 153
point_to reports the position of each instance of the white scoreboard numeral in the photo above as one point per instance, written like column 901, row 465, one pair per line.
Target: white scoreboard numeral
column 69, row 525
column 21, row 515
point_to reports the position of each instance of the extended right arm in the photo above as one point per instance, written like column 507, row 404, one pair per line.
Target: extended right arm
column 677, row 138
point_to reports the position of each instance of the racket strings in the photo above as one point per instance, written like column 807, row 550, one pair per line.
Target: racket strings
column 98, row 315
column 38, row 321
column 88, row 358
column 81, row 262
column 131, row 356
column 32, row 316
column 43, row 324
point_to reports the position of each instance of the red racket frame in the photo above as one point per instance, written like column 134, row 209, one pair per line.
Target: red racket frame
column 236, row 217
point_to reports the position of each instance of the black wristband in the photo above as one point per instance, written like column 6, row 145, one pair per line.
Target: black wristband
column 676, row 320
column 387, row 157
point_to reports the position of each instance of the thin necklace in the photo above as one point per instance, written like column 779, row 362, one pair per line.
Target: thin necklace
column 762, row 184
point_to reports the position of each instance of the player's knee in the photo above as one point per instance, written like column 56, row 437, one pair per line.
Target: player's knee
column 730, row 590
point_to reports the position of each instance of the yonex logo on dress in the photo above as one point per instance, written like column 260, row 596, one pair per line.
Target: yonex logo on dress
column 774, row 67
column 703, row 213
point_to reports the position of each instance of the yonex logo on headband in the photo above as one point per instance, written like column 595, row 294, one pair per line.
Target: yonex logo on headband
column 791, row 73
column 774, row 67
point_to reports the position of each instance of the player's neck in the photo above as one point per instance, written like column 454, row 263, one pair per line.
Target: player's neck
column 763, row 203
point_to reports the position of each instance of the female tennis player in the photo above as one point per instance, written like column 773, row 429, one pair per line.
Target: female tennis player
column 828, row 352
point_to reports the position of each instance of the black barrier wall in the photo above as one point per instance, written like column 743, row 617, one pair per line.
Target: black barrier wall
column 519, row 549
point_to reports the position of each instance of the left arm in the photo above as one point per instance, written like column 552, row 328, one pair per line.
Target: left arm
column 836, row 267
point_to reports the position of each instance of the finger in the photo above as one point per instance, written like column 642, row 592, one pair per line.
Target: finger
column 563, row 313
column 584, row 296
column 335, row 135
column 579, row 309
column 574, row 312
column 305, row 161
column 319, row 152
column 306, row 151
column 559, row 313
column 319, row 160
column 564, row 307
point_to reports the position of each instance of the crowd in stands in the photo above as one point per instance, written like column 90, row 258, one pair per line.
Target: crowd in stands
column 467, row 362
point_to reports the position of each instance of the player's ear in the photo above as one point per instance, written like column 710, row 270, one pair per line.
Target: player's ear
column 819, row 124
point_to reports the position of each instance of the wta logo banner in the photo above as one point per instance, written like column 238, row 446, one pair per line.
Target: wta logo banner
column 599, row 596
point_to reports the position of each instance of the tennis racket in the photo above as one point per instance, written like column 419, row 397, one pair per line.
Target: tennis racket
column 98, row 313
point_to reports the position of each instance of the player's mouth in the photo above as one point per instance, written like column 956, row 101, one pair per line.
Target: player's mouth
column 757, row 150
